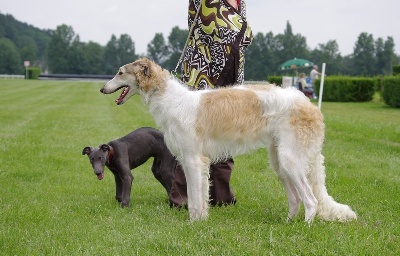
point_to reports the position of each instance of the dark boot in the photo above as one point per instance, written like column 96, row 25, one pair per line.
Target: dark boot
column 220, row 190
column 178, row 193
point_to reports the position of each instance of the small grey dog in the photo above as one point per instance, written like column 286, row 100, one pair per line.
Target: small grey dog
column 124, row 154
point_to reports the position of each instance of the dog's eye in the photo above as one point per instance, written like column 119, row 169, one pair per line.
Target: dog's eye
column 120, row 73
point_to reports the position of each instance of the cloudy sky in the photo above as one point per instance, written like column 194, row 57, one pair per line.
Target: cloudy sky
column 318, row 20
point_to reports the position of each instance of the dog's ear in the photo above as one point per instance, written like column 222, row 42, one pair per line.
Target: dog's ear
column 146, row 69
column 105, row 147
column 86, row 150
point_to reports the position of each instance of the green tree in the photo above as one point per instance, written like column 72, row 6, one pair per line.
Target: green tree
column 30, row 42
column 176, row 42
column 10, row 61
column 118, row 52
column 76, row 58
column 364, row 55
column 347, row 66
column 254, row 59
column 59, row 47
column 157, row 49
column 329, row 54
column 379, row 55
column 126, row 49
column 111, row 60
column 28, row 49
column 291, row 46
column 95, row 58
column 261, row 59
column 2, row 26
column 388, row 57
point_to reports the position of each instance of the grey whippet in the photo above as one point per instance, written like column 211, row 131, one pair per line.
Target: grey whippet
column 122, row 155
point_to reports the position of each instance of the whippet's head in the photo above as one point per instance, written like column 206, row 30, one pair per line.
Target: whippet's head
column 99, row 157
column 140, row 77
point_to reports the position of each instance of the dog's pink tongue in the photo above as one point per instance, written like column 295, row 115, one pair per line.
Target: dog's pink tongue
column 100, row 176
column 121, row 97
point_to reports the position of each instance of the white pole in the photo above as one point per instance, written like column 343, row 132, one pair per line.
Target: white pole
column 321, row 87
column 26, row 65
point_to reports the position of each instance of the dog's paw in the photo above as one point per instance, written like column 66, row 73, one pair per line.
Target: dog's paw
column 196, row 215
column 346, row 214
column 125, row 204
column 337, row 212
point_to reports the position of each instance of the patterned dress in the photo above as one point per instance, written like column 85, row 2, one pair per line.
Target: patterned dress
column 214, row 55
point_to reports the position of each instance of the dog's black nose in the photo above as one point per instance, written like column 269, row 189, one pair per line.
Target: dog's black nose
column 101, row 90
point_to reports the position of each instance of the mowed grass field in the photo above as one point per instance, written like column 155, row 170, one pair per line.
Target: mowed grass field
column 51, row 203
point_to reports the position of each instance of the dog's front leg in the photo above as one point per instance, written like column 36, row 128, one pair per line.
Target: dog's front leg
column 198, row 206
column 118, row 187
column 118, row 183
column 127, row 178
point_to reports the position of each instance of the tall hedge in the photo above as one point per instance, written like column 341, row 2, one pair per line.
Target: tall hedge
column 347, row 89
column 396, row 70
column 33, row 72
column 275, row 80
column 391, row 91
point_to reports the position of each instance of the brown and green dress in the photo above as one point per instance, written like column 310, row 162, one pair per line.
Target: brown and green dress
column 214, row 58
column 214, row 55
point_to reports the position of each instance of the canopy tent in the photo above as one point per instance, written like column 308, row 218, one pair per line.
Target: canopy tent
column 295, row 64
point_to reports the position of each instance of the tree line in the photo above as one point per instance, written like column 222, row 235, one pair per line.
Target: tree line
column 61, row 51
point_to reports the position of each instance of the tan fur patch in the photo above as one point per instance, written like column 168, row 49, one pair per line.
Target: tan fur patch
column 308, row 121
column 155, row 81
column 230, row 114
column 260, row 87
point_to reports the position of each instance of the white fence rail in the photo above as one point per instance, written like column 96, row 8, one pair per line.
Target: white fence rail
column 5, row 76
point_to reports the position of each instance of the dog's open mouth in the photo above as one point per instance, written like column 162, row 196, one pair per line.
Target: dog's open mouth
column 100, row 176
column 123, row 94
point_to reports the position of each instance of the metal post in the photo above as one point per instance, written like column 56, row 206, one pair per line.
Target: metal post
column 321, row 87
column 27, row 63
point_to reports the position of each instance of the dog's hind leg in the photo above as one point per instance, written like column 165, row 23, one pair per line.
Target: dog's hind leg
column 196, row 171
column 328, row 209
column 293, row 196
column 293, row 169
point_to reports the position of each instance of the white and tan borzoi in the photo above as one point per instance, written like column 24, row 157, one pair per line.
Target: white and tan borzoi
column 207, row 126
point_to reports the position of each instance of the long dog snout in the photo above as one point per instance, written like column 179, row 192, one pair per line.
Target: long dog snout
column 104, row 90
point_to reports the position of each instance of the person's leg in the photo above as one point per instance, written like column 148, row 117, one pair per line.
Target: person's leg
column 178, row 193
column 220, row 191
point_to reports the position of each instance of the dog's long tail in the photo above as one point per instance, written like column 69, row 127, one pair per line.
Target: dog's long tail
column 328, row 209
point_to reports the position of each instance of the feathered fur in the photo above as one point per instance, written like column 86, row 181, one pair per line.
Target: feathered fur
column 201, row 127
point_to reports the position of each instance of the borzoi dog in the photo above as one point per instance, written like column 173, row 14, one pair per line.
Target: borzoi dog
column 207, row 126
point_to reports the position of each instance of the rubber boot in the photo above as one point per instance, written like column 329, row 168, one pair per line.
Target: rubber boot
column 220, row 191
column 178, row 193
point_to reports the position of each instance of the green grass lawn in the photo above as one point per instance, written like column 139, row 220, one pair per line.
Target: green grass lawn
column 51, row 203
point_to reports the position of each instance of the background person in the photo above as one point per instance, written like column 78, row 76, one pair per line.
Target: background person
column 314, row 74
column 214, row 57
column 307, row 89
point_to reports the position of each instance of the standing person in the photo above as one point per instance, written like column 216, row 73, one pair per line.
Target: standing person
column 214, row 57
column 314, row 74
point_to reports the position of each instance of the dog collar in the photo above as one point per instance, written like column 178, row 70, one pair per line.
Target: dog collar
column 110, row 154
